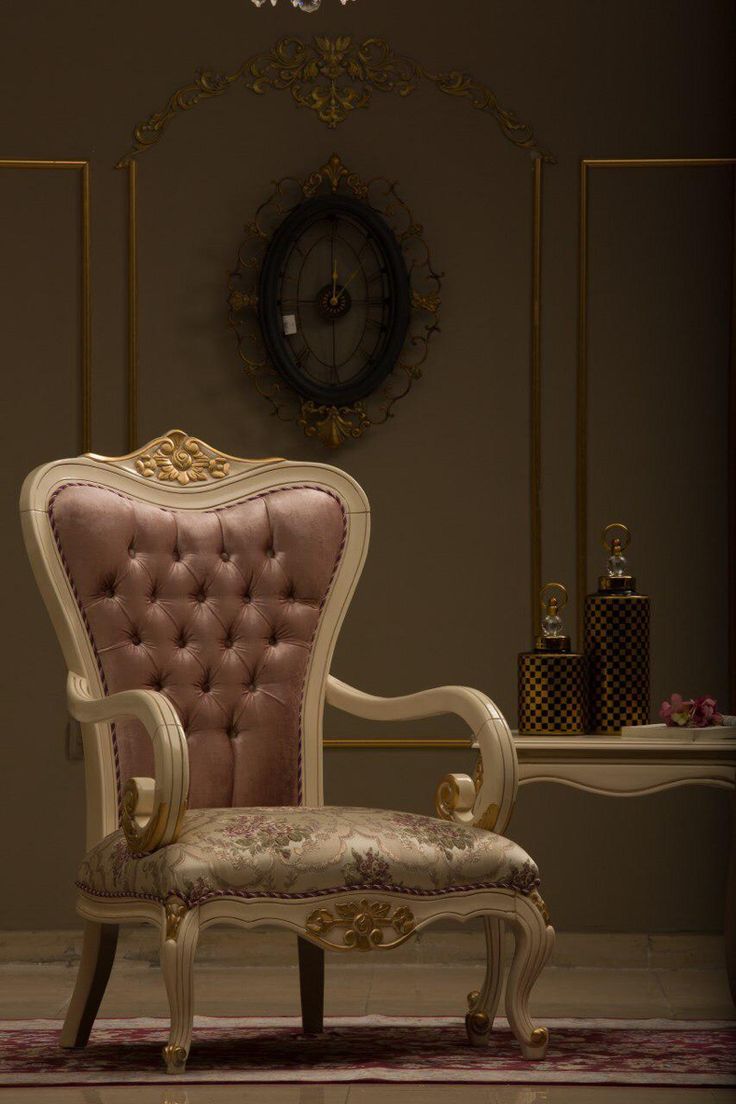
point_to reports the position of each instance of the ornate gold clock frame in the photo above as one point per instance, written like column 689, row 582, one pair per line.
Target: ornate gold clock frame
column 334, row 425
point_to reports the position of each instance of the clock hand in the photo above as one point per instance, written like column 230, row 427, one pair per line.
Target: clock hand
column 333, row 299
column 349, row 280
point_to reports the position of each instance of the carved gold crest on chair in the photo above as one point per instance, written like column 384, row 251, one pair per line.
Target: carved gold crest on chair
column 178, row 458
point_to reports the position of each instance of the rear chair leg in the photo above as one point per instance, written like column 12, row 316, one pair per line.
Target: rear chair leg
column 98, row 955
column 179, row 935
column 312, row 986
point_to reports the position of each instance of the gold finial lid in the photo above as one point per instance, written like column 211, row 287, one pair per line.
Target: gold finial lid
column 553, row 638
column 616, row 538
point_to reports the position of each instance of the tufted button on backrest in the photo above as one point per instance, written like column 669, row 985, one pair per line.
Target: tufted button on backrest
column 192, row 603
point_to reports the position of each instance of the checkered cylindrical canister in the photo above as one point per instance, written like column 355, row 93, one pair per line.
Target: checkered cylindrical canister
column 617, row 647
column 553, row 694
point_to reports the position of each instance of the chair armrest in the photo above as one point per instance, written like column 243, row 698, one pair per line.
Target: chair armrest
column 152, row 809
column 487, row 801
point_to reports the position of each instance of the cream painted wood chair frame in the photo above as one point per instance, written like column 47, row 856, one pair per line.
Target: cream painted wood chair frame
column 153, row 808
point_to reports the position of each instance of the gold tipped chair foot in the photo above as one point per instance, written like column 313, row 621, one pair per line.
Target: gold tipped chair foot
column 175, row 1059
column 478, row 1027
column 536, row 1048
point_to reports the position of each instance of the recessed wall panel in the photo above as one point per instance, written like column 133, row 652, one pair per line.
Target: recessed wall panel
column 660, row 255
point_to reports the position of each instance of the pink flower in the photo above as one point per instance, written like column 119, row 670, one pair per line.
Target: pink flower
column 676, row 711
column 698, row 713
column 705, row 713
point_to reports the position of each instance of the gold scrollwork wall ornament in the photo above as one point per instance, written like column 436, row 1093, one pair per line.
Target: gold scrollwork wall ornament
column 362, row 924
column 332, row 77
column 178, row 458
column 333, row 424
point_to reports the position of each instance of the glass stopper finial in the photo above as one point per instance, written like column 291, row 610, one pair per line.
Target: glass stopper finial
column 615, row 544
column 552, row 622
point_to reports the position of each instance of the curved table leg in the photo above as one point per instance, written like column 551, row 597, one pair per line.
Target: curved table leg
column 729, row 923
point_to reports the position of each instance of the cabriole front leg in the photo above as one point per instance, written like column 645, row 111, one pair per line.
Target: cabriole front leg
column 535, row 939
column 483, row 1003
column 179, row 935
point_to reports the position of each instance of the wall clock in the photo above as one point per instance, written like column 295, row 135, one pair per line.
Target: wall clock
column 333, row 301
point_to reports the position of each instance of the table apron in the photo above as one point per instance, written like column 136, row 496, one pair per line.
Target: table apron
column 627, row 779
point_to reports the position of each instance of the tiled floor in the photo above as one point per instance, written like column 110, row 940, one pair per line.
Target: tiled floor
column 615, row 991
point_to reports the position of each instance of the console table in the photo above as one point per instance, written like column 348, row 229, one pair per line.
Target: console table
column 615, row 767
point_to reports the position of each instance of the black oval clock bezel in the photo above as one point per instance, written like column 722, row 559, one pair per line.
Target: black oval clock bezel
column 399, row 295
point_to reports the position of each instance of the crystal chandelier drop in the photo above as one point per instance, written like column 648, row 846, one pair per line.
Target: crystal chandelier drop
column 302, row 5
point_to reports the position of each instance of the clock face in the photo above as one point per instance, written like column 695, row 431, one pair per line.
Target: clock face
column 334, row 299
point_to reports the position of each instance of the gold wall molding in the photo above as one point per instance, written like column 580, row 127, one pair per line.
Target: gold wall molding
column 535, row 402
column 588, row 165
column 85, row 320
column 407, row 742
column 132, row 305
column 333, row 77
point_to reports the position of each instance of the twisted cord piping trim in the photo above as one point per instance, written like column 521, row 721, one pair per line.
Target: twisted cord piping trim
column 371, row 887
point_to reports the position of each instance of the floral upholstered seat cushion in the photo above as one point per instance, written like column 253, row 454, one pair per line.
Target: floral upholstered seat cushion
column 297, row 851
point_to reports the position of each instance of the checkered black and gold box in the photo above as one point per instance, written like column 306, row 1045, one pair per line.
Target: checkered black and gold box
column 617, row 642
column 617, row 646
column 553, row 684
column 553, row 693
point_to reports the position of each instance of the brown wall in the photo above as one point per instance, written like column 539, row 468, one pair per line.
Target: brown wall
column 445, row 595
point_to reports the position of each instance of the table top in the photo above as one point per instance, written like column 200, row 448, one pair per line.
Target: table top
column 618, row 749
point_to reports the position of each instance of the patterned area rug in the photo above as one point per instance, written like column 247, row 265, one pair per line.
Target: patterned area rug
column 374, row 1048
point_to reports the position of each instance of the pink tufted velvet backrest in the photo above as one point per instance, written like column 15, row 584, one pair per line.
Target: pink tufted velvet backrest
column 216, row 608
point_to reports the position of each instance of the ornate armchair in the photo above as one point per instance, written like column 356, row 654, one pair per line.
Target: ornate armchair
column 197, row 598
